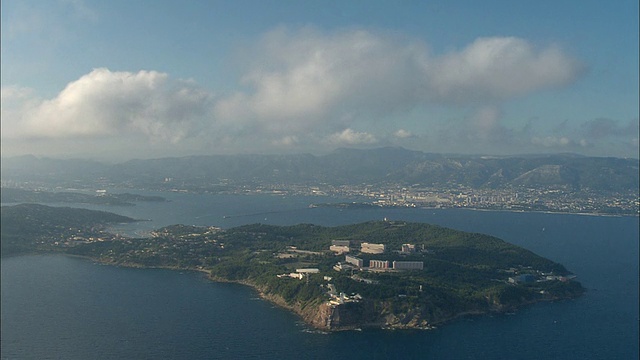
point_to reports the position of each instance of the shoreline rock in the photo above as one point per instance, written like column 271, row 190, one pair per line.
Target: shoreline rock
column 333, row 318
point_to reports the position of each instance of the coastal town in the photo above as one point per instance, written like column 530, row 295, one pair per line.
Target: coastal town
column 544, row 199
column 530, row 199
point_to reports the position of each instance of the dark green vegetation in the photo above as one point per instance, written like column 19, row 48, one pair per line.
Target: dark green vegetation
column 11, row 195
column 33, row 227
column 463, row 272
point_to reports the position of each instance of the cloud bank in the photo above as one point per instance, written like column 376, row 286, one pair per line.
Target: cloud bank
column 300, row 88
column 106, row 103
column 304, row 78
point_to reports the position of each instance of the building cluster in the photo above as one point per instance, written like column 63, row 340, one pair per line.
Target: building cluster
column 340, row 247
column 352, row 262
column 452, row 195
column 344, row 246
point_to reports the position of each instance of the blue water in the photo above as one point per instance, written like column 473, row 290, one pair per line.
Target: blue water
column 58, row 307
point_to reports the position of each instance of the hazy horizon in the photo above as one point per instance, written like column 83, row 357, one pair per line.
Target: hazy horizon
column 118, row 80
column 113, row 160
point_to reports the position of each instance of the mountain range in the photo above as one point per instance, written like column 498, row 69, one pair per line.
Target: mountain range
column 342, row 167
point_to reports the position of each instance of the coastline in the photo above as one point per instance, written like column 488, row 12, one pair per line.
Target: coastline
column 315, row 316
column 369, row 204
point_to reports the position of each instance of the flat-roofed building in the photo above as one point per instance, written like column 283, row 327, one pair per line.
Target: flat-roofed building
column 339, row 249
column 292, row 275
column 372, row 248
column 378, row 264
column 354, row 261
column 408, row 265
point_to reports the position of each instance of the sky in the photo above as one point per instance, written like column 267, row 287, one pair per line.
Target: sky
column 119, row 79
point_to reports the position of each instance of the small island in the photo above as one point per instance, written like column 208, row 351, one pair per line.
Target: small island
column 379, row 274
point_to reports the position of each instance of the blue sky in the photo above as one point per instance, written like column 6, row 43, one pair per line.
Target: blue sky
column 142, row 79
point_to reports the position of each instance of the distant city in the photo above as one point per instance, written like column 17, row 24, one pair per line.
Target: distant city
column 390, row 177
column 517, row 199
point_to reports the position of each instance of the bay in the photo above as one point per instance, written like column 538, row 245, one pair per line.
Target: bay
column 60, row 307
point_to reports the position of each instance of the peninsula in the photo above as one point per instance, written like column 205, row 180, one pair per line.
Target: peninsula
column 381, row 274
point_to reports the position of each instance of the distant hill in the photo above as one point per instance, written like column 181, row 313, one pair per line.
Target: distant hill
column 26, row 226
column 12, row 195
column 343, row 166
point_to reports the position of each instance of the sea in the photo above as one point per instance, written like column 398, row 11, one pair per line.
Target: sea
column 61, row 307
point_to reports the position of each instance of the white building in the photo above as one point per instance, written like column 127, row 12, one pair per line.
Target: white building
column 372, row 248
column 339, row 249
column 378, row 264
column 291, row 275
column 354, row 261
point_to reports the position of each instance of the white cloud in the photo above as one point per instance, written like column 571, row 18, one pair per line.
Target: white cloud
column 12, row 93
column 304, row 77
column 300, row 88
column 307, row 78
column 106, row 103
column 499, row 68
column 350, row 137
column 15, row 102
column 402, row 134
